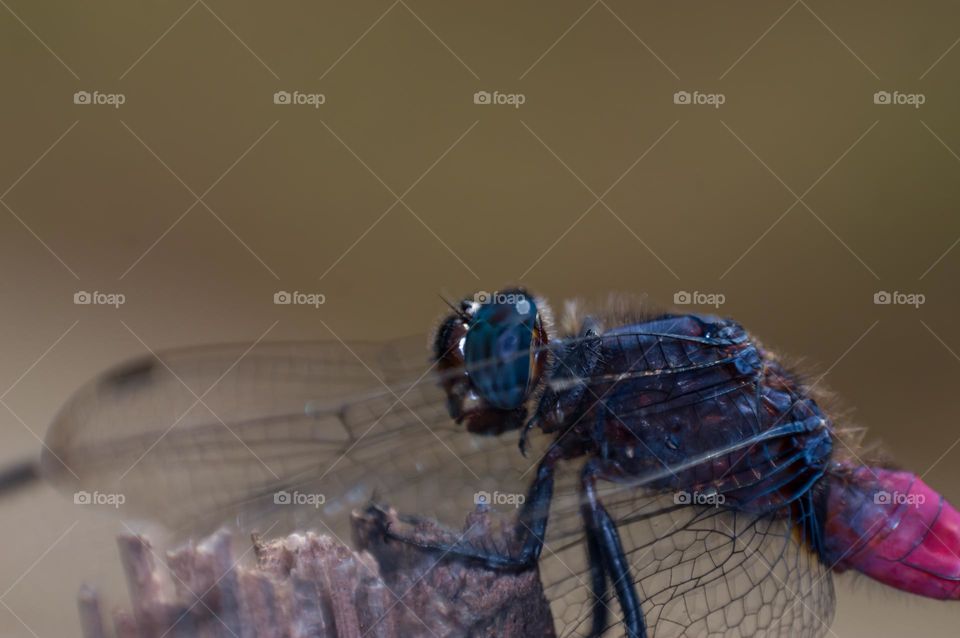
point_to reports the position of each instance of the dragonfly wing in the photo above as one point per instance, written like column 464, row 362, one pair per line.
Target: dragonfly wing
column 192, row 438
column 699, row 571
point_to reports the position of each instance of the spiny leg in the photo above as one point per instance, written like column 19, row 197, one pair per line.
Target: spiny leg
column 598, row 576
column 602, row 527
column 531, row 527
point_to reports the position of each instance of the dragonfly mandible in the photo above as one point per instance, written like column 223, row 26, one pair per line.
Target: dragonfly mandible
column 670, row 476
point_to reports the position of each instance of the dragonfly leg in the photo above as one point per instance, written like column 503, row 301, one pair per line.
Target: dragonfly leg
column 531, row 528
column 598, row 579
column 602, row 528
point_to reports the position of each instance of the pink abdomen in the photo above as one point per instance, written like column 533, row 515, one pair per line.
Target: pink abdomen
column 893, row 527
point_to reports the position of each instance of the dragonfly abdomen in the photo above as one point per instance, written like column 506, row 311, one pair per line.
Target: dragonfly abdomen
column 893, row 527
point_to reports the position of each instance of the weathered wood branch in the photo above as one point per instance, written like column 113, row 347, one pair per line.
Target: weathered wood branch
column 312, row 585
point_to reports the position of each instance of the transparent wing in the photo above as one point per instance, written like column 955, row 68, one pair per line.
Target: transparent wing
column 196, row 437
column 699, row 571
column 277, row 432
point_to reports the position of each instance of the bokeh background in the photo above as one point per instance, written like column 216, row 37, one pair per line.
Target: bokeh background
column 797, row 199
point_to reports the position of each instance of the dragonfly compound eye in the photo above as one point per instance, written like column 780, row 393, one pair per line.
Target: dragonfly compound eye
column 502, row 348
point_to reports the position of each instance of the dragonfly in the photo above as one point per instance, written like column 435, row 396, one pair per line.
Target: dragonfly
column 667, row 473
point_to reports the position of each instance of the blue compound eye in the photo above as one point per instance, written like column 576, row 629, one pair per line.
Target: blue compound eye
column 499, row 349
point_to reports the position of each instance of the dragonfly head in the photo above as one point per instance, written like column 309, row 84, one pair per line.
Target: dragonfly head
column 491, row 353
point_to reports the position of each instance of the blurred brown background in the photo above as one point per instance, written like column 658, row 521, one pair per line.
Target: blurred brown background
column 293, row 197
